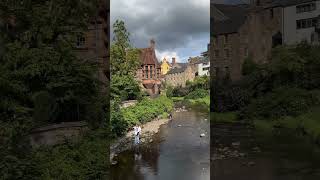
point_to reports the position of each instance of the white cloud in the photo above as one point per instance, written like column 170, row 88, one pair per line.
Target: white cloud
column 168, row 55
column 180, row 28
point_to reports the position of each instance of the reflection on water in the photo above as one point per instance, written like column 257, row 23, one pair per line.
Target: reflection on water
column 177, row 152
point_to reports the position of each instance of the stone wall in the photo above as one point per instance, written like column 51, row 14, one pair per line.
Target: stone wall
column 180, row 79
column 253, row 40
column 57, row 133
column 129, row 103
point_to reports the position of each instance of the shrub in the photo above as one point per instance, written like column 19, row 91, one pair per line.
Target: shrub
column 144, row 111
column 169, row 91
column 198, row 93
column 125, row 87
column 281, row 102
column 180, row 91
column 118, row 124
column 248, row 66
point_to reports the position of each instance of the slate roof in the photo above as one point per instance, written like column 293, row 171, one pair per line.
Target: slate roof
column 203, row 60
column 183, row 67
column 233, row 17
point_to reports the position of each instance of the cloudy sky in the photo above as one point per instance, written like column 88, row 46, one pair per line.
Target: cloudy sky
column 180, row 28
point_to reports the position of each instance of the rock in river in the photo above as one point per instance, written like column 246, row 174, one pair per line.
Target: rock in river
column 202, row 135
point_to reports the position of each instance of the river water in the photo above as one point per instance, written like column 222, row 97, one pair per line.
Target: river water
column 282, row 156
column 177, row 152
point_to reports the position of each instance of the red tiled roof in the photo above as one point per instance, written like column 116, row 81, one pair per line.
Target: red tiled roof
column 148, row 56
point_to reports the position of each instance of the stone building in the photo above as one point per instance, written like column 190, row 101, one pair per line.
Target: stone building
column 300, row 20
column 252, row 30
column 226, row 55
column 203, row 67
column 94, row 45
column 179, row 75
column 149, row 72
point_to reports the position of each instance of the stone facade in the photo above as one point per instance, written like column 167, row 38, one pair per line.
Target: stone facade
column 94, row 45
column 57, row 133
column 149, row 72
column 180, row 74
column 252, row 30
column 248, row 31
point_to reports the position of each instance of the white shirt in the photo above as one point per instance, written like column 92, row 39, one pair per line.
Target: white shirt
column 139, row 129
column 135, row 130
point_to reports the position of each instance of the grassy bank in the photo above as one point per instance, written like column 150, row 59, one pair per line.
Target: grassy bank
column 228, row 117
column 144, row 111
column 307, row 123
column 197, row 102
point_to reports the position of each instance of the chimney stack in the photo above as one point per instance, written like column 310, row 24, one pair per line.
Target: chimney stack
column 173, row 60
column 152, row 43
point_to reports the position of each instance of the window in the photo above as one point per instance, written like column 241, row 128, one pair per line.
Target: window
column 146, row 72
column 227, row 53
column 151, row 72
column 227, row 71
column 226, row 40
column 306, row 23
column 271, row 13
column 258, row 2
column 217, row 71
column 206, row 69
column 306, row 8
column 216, row 52
column 81, row 41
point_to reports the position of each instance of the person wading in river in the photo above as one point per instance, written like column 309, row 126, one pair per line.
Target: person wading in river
column 136, row 133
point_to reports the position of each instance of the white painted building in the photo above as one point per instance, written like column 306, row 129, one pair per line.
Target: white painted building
column 204, row 68
column 300, row 18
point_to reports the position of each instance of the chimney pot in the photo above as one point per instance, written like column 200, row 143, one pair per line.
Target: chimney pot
column 173, row 60
column 152, row 43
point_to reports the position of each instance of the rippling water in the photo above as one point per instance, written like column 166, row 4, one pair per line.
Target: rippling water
column 285, row 156
column 176, row 153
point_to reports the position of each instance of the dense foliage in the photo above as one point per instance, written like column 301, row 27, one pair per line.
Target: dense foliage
column 144, row 111
column 197, row 93
column 124, row 64
column 202, row 82
column 125, row 88
column 43, row 81
column 124, row 58
column 285, row 86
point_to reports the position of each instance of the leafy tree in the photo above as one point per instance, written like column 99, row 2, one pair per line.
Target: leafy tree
column 124, row 58
column 125, row 87
column 41, row 78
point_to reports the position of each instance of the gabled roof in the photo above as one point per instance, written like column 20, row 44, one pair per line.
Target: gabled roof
column 231, row 20
column 148, row 56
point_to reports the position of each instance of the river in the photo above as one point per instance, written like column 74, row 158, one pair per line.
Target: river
column 176, row 152
column 281, row 156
